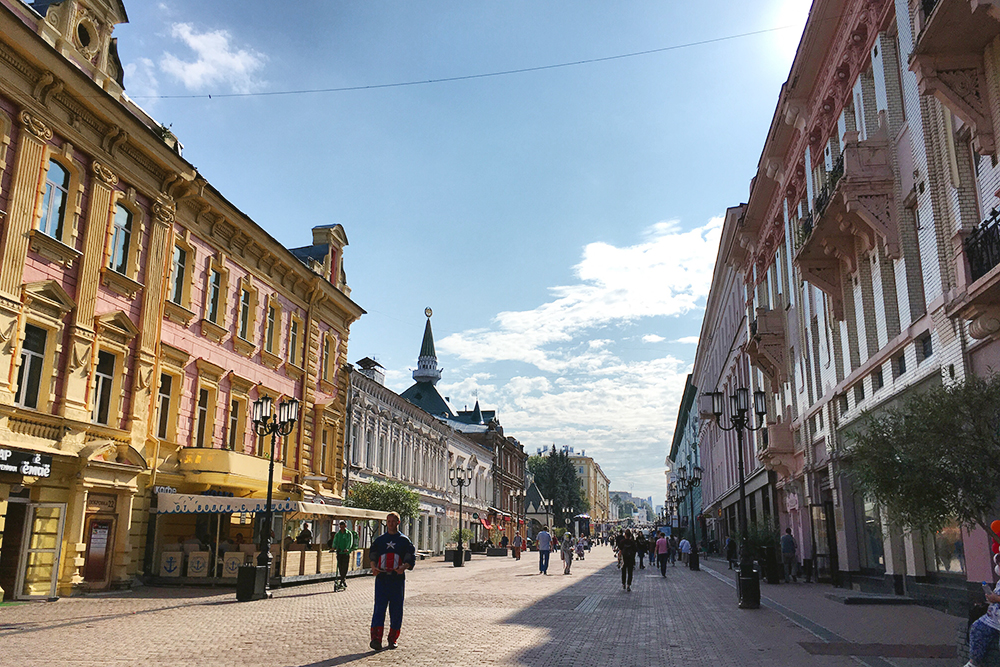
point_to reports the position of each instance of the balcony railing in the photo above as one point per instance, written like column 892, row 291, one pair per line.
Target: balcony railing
column 823, row 198
column 928, row 6
column 983, row 246
column 805, row 229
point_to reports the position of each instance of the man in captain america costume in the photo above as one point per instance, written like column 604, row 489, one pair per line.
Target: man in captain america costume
column 391, row 554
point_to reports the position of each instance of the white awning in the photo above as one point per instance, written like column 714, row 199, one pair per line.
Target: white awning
column 338, row 511
column 179, row 503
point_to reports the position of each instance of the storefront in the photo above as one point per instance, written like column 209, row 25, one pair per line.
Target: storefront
column 201, row 539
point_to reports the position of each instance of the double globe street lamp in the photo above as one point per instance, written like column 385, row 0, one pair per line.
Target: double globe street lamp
column 688, row 483
column 460, row 477
column 267, row 423
column 748, row 585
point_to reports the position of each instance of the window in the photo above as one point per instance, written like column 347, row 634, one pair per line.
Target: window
column 925, row 347
column 294, row 329
column 214, row 295
column 326, row 358
column 104, row 377
column 369, row 449
column 121, row 240
column 234, row 423
column 355, row 454
column 163, row 406
column 272, row 317
column 844, row 405
column 323, row 451
column 179, row 274
column 202, row 428
column 54, row 201
column 859, row 392
column 29, row 374
column 878, row 381
column 244, row 313
column 900, row 363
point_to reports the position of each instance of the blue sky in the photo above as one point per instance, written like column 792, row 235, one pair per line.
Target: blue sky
column 561, row 223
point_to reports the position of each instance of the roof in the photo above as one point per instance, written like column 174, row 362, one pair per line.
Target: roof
column 427, row 345
column 476, row 415
column 425, row 396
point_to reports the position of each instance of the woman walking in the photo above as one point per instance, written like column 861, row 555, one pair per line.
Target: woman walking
column 568, row 547
column 626, row 550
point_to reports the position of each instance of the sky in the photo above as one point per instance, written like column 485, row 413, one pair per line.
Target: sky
column 562, row 222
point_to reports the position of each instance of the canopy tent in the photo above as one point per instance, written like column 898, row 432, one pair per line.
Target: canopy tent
column 178, row 503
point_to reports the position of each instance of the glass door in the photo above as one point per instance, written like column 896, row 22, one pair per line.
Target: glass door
column 39, row 571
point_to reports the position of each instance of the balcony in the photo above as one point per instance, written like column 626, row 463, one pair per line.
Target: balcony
column 948, row 61
column 223, row 467
column 855, row 211
column 766, row 345
column 778, row 453
column 981, row 301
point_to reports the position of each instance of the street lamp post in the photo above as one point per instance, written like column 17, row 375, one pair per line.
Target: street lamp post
column 547, row 504
column 689, row 483
column 460, row 477
column 517, row 509
column 748, row 586
column 568, row 517
column 265, row 423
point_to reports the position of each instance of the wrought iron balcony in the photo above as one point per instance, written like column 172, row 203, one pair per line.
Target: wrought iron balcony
column 826, row 192
column 983, row 246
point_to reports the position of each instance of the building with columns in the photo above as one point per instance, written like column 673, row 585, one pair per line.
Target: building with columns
column 141, row 313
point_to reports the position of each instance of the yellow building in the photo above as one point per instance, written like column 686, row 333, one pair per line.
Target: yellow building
column 595, row 486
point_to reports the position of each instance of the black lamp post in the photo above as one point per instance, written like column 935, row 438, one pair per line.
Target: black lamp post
column 517, row 509
column 265, row 423
column 460, row 477
column 748, row 586
column 568, row 517
column 688, row 484
column 547, row 504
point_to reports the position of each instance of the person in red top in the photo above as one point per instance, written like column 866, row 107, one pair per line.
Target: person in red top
column 391, row 554
column 662, row 553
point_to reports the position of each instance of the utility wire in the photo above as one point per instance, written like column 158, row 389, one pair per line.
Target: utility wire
column 469, row 77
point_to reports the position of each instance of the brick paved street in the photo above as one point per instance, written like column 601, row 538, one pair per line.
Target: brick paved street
column 494, row 611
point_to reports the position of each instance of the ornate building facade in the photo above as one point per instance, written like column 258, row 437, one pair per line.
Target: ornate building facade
column 141, row 313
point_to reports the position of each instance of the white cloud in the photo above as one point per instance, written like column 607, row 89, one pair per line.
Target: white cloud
column 652, row 338
column 665, row 275
column 687, row 340
column 140, row 79
column 217, row 61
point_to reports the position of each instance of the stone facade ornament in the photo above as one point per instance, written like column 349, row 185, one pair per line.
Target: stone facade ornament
column 105, row 174
column 35, row 126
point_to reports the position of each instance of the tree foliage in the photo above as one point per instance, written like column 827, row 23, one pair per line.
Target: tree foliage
column 384, row 497
column 936, row 458
column 555, row 476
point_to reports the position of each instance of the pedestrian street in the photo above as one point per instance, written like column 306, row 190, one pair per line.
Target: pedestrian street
column 493, row 611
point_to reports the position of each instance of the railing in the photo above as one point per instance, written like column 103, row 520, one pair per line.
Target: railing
column 804, row 229
column 753, row 328
column 928, row 6
column 983, row 246
column 46, row 429
column 823, row 198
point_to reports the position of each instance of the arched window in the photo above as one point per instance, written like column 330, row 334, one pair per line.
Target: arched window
column 121, row 238
column 54, row 201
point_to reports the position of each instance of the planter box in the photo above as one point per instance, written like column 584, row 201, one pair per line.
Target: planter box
column 449, row 555
column 496, row 551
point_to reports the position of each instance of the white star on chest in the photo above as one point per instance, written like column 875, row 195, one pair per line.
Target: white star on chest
column 390, row 545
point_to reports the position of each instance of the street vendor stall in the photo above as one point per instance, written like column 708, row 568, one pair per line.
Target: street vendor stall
column 205, row 539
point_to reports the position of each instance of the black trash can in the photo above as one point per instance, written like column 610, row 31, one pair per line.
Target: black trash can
column 251, row 583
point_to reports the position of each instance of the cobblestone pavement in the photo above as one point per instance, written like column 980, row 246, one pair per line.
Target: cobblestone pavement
column 494, row 611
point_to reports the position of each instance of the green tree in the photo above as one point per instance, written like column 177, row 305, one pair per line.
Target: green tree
column 935, row 458
column 385, row 497
column 555, row 476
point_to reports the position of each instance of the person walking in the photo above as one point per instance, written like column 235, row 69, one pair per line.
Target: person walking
column 640, row 548
column 518, row 543
column 673, row 551
column 685, row 548
column 544, row 540
column 662, row 553
column 568, row 551
column 391, row 554
column 343, row 543
column 731, row 551
column 788, row 549
column 626, row 552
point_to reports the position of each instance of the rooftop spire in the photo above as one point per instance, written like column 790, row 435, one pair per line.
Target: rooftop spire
column 427, row 368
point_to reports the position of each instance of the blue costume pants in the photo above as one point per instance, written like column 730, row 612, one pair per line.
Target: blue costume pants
column 388, row 593
column 981, row 637
column 543, row 560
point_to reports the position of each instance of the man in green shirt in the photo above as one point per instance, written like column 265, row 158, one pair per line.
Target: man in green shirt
column 344, row 542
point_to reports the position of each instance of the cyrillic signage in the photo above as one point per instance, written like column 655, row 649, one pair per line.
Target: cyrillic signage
column 25, row 463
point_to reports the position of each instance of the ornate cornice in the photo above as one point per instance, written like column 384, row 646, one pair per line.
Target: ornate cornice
column 35, row 126
column 104, row 174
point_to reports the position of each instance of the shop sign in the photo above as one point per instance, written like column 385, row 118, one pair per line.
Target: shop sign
column 25, row 463
column 99, row 502
column 475, row 516
column 164, row 489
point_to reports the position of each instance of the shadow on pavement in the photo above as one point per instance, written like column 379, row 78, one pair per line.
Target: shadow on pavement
column 342, row 660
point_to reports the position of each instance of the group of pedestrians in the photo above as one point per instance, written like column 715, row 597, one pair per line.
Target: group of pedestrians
column 627, row 545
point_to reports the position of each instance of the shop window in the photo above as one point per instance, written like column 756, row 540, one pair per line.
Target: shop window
column 29, row 374
column 949, row 549
column 104, row 379
column 54, row 201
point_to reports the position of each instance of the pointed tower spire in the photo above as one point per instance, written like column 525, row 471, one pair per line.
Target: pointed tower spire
column 427, row 363
column 477, row 414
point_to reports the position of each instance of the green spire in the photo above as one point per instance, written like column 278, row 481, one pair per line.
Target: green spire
column 427, row 347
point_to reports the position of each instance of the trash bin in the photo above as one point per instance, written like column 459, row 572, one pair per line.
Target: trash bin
column 251, row 583
column 770, row 566
column 807, row 568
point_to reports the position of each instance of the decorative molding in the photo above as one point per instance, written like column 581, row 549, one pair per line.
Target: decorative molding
column 104, row 174
column 52, row 249
column 35, row 126
column 243, row 347
column 177, row 313
column 210, row 329
column 119, row 283
column 164, row 211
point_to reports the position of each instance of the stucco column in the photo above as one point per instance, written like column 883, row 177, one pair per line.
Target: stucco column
column 4, row 494
column 74, row 547
column 121, row 565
